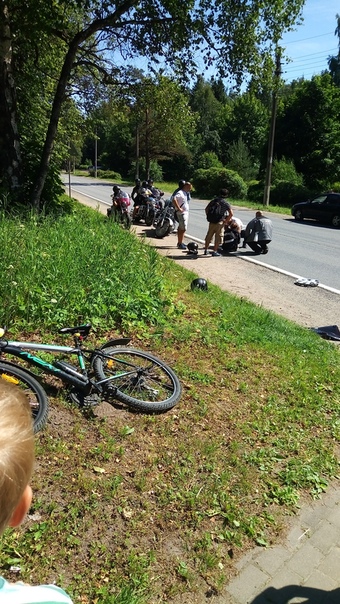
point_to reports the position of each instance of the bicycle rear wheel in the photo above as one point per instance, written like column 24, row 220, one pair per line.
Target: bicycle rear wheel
column 142, row 380
column 32, row 389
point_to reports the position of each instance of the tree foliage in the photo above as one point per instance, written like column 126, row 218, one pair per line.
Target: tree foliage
column 308, row 130
column 56, row 49
column 334, row 62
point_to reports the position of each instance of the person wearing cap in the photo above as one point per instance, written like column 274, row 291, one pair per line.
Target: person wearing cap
column 258, row 233
column 181, row 204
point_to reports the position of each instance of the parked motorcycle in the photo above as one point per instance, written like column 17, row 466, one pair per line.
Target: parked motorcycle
column 120, row 209
column 164, row 222
column 146, row 208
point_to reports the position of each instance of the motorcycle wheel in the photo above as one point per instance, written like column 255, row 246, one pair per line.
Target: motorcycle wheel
column 163, row 230
column 126, row 221
column 149, row 218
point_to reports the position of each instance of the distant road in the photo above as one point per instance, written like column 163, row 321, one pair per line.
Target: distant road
column 305, row 249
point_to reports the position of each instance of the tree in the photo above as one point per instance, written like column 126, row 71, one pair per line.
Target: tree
column 77, row 35
column 204, row 102
column 246, row 119
column 308, row 131
column 165, row 120
column 334, row 62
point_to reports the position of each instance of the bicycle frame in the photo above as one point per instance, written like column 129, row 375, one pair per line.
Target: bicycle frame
column 20, row 350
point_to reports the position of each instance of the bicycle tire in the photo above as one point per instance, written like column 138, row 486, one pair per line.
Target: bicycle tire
column 35, row 393
column 132, row 389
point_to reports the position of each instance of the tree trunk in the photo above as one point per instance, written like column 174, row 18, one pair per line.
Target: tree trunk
column 10, row 156
column 53, row 126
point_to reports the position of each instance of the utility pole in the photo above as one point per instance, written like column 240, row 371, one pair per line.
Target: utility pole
column 95, row 154
column 267, row 184
column 137, row 151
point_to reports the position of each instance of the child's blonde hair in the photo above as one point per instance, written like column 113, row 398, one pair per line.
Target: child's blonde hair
column 16, row 449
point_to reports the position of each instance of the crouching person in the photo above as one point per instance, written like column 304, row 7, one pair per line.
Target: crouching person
column 258, row 233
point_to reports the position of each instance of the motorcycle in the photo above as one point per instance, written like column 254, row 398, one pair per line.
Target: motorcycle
column 120, row 209
column 147, row 209
column 164, row 222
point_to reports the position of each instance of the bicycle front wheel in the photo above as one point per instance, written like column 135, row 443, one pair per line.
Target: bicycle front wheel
column 142, row 380
column 35, row 393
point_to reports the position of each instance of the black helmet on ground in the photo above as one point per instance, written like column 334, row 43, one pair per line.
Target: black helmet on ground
column 199, row 284
column 192, row 247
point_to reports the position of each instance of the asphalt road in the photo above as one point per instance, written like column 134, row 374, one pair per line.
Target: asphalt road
column 305, row 249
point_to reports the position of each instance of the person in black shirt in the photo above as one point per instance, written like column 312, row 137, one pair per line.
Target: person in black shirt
column 219, row 214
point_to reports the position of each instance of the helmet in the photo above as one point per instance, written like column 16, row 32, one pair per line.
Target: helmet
column 137, row 181
column 199, row 284
column 181, row 183
column 192, row 247
column 115, row 188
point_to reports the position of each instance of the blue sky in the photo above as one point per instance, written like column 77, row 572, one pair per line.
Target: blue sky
column 313, row 41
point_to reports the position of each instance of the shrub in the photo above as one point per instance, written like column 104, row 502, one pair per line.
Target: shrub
column 209, row 159
column 288, row 193
column 255, row 191
column 207, row 183
column 109, row 174
column 284, row 170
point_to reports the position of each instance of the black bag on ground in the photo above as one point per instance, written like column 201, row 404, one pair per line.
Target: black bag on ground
column 231, row 239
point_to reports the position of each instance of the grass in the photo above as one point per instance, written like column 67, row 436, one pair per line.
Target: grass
column 145, row 508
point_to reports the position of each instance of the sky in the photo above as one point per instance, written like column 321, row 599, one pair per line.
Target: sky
column 313, row 41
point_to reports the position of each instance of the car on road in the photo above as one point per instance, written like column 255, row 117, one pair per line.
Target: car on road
column 324, row 208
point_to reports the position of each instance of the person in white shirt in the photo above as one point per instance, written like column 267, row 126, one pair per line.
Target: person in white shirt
column 181, row 205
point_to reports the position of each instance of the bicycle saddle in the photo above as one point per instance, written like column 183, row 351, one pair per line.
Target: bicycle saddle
column 83, row 330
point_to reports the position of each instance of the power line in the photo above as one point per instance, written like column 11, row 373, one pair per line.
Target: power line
column 310, row 38
column 321, row 52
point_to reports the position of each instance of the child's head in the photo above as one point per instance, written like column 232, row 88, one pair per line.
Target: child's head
column 16, row 455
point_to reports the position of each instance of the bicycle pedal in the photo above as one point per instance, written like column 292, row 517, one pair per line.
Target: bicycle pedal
column 91, row 401
column 84, row 401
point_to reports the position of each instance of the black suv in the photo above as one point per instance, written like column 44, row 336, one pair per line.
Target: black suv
column 325, row 208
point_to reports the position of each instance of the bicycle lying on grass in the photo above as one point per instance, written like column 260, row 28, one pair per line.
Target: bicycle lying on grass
column 112, row 372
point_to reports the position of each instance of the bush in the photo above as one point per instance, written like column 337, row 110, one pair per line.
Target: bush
column 255, row 191
column 284, row 170
column 109, row 174
column 209, row 159
column 288, row 193
column 207, row 183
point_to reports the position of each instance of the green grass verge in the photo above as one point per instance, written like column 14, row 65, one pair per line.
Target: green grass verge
column 131, row 508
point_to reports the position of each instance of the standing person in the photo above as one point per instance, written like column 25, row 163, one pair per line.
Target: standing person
column 136, row 189
column 219, row 214
column 181, row 183
column 258, row 233
column 17, row 458
column 181, row 205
